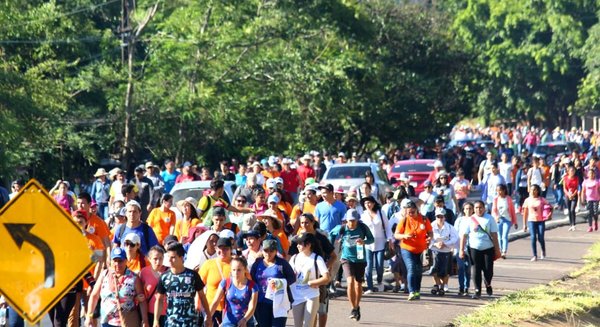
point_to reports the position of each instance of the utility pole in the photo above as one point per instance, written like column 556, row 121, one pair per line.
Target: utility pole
column 129, row 36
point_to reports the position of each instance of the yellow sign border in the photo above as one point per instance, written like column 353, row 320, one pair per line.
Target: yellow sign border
column 34, row 320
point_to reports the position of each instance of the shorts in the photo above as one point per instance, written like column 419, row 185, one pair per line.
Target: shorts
column 441, row 262
column 354, row 269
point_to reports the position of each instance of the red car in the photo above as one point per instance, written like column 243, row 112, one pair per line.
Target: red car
column 417, row 170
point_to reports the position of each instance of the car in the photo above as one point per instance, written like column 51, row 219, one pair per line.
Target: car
column 550, row 150
column 196, row 190
column 347, row 175
column 417, row 169
column 462, row 143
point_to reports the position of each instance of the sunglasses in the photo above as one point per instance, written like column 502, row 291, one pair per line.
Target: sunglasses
column 129, row 244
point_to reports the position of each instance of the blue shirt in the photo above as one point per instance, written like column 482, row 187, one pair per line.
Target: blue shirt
column 330, row 216
column 169, row 179
column 237, row 301
column 240, row 180
column 100, row 191
column 478, row 238
column 261, row 274
column 152, row 240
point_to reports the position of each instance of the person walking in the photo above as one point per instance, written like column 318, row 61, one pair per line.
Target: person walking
column 503, row 211
column 571, row 189
column 464, row 264
column 378, row 224
column 415, row 233
column 591, row 196
column 353, row 236
column 536, row 210
column 482, row 234
column 150, row 276
column 443, row 241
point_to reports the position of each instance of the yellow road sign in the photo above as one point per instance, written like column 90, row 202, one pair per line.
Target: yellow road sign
column 43, row 252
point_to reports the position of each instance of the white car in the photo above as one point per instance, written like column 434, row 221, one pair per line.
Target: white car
column 196, row 190
column 353, row 174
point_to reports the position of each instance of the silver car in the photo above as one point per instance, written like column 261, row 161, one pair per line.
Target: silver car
column 353, row 174
column 196, row 190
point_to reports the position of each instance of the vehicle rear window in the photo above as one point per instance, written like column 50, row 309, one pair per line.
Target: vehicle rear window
column 410, row 168
column 551, row 149
column 345, row 172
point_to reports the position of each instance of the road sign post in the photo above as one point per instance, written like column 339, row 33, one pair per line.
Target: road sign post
column 44, row 252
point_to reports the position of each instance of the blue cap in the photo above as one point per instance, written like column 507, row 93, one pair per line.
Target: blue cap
column 118, row 253
column 273, row 198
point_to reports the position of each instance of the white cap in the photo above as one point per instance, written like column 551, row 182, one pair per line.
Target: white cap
column 438, row 164
column 311, row 187
column 278, row 180
column 440, row 212
column 134, row 203
column 226, row 233
column 133, row 238
column 271, row 183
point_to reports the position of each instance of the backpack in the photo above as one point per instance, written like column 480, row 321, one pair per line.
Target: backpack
column 145, row 231
column 394, row 207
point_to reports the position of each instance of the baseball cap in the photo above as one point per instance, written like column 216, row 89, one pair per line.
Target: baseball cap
column 134, row 203
column 269, row 245
column 427, row 183
column 251, row 233
column 219, row 211
column 271, row 183
column 133, row 238
column 224, row 242
column 438, row 164
column 81, row 213
column 306, row 157
column 118, row 253
column 187, row 164
column 149, row 164
column 279, row 180
column 327, row 187
column 340, row 190
column 311, row 187
column 273, row 198
column 407, row 203
column 122, row 212
column 226, row 233
column 440, row 212
column 351, row 214
column 310, row 180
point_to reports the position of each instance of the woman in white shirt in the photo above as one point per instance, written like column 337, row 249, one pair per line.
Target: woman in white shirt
column 311, row 272
column 444, row 240
column 379, row 226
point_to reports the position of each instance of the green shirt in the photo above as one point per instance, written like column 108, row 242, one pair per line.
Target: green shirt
column 348, row 238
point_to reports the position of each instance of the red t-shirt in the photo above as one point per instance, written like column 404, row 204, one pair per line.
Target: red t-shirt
column 305, row 172
column 571, row 184
column 290, row 180
column 187, row 178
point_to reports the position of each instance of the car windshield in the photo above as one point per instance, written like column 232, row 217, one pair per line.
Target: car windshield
column 413, row 168
column 346, row 172
column 551, row 149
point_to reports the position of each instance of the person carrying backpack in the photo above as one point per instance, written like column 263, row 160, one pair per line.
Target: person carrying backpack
column 354, row 235
column 207, row 202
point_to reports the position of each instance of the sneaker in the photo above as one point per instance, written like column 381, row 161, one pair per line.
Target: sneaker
column 446, row 288
column 380, row 287
column 543, row 256
column 418, row 295
column 367, row 292
column 441, row 292
column 488, row 290
column 461, row 291
column 357, row 316
column 476, row 295
column 352, row 314
column 503, row 255
column 466, row 293
column 534, row 258
column 337, row 284
column 412, row 297
column 396, row 289
column 590, row 229
column 566, row 211
column 435, row 289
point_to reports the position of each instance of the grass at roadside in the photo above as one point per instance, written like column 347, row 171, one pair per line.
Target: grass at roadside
column 570, row 297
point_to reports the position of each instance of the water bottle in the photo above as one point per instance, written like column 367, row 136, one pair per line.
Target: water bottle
column 360, row 251
column 2, row 317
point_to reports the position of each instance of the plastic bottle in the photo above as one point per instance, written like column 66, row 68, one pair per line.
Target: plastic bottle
column 360, row 251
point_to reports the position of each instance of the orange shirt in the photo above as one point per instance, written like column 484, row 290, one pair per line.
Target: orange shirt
column 98, row 227
column 308, row 208
column 161, row 223
column 182, row 228
column 94, row 243
column 418, row 226
column 211, row 276
column 136, row 264
column 285, row 207
column 285, row 243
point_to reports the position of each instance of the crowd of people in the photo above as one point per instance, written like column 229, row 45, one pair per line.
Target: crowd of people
column 285, row 240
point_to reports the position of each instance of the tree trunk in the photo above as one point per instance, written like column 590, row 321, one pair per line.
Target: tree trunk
column 128, row 137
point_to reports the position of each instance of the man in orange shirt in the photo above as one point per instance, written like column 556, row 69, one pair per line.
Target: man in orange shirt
column 95, row 244
column 95, row 224
column 414, row 232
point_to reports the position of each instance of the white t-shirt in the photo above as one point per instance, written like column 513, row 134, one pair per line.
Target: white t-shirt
column 506, row 171
column 304, row 267
column 428, row 199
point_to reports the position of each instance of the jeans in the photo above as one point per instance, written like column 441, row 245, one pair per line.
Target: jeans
column 482, row 262
column 503, row 229
column 559, row 195
column 536, row 231
column 592, row 207
column 414, row 270
column 14, row 320
column 264, row 315
column 572, row 205
column 374, row 257
column 464, row 273
column 103, row 210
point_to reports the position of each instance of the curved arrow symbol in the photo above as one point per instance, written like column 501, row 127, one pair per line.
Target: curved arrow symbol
column 21, row 233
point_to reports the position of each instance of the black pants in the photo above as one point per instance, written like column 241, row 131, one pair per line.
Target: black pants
column 482, row 262
column 571, row 206
column 59, row 315
column 523, row 194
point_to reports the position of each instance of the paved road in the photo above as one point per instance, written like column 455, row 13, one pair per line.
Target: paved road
column 564, row 249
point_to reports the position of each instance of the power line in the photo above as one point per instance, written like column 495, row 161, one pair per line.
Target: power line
column 53, row 41
column 75, row 11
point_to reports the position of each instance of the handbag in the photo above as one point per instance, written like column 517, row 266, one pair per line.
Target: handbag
column 546, row 212
column 128, row 318
column 388, row 251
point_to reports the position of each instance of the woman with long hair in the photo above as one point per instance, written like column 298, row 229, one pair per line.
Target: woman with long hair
column 571, row 190
column 379, row 226
column 189, row 220
column 150, row 276
column 503, row 211
column 591, row 196
column 311, row 273
column 534, row 219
